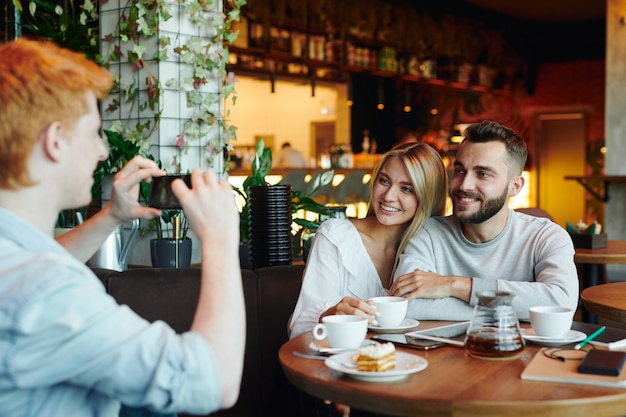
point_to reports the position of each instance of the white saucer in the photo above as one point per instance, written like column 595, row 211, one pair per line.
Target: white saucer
column 407, row 324
column 406, row 364
column 572, row 336
column 324, row 347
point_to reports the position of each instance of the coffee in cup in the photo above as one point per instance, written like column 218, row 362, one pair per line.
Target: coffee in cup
column 342, row 330
column 391, row 310
column 551, row 321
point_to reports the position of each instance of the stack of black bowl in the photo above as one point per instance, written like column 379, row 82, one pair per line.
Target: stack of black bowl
column 270, row 225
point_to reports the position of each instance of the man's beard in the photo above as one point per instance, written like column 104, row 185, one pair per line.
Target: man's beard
column 487, row 210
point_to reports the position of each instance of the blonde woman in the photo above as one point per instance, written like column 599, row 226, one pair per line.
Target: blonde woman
column 352, row 260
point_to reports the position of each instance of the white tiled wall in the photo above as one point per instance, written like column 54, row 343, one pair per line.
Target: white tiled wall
column 178, row 29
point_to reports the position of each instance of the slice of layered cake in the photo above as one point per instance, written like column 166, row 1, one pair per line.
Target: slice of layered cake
column 376, row 357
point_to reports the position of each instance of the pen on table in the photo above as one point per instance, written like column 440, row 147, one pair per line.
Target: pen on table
column 590, row 338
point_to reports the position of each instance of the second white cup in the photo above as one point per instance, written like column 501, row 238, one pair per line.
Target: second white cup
column 391, row 310
column 342, row 330
column 551, row 321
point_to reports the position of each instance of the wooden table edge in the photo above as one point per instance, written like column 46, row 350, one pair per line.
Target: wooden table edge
column 603, row 310
column 602, row 405
column 612, row 406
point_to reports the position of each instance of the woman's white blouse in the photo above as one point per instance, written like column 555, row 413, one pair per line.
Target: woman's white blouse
column 338, row 265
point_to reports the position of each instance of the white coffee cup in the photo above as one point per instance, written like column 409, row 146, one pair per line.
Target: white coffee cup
column 551, row 321
column 342, row 330
column 391, row 310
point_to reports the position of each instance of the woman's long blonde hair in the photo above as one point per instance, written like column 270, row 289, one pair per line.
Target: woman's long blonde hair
column 430, row 182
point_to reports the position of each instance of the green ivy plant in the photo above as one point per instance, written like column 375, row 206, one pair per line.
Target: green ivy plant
column 75, row 26
column 139, row 22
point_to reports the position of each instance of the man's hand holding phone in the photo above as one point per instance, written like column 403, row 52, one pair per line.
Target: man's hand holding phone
column 161, row 194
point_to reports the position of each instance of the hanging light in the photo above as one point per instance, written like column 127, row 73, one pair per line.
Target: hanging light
column 272, row 82
column 312, row 83
column 270, row 67
column 435, row 104
column 326, row 111
column 407, row 98
column 349, row 101
column 456, row 135
column 381, row 95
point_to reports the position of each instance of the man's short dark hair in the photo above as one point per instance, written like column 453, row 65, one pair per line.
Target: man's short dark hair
column 487, row 131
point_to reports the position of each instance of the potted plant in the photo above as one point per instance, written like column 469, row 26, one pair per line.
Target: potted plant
column 171, row 248
column 261, row 167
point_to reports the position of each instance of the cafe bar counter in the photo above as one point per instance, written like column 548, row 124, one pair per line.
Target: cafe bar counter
column 453, row 384
column 349, row 186
column 239, row 172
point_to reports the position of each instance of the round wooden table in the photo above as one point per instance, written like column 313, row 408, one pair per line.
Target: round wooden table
column 593, row 264
column 453, row 384
column 606, row 300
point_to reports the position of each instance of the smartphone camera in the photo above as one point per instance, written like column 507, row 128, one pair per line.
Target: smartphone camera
column 161, row 195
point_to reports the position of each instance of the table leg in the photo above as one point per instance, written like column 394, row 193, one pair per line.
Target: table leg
column 593, row 274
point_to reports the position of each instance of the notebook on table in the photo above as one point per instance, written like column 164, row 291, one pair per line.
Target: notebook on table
column 544, row 368
column 611, row 338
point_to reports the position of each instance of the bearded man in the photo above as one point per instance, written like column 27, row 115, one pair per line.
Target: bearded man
column 484, row 245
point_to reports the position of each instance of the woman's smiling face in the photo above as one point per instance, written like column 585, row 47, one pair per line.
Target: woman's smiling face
column 393, row 197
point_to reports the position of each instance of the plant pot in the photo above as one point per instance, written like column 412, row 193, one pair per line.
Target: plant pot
column 270, row 225
column 244, row 256
column 170, row 253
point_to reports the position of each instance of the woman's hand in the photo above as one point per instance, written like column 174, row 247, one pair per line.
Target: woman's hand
column 354, row 306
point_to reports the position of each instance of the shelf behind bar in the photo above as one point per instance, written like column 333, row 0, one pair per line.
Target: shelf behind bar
column 286, row 57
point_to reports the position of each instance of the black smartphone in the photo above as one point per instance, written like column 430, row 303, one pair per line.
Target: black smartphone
column 602, row 362
column 446, row 335
column 161, row 195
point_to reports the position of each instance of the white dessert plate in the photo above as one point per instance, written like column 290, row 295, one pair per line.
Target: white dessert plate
column 406, row 364
column 572, row 336
column 324, row 347
column 407, row 324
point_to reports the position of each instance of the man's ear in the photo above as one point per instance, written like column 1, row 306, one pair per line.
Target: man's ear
column 52, row 141
column 516, row 185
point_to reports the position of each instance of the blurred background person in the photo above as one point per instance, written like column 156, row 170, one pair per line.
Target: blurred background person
column 290, row 157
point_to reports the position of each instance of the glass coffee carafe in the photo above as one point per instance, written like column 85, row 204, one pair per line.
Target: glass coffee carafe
column 494, row 331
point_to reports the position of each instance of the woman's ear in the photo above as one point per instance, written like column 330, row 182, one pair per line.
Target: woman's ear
column 52, row 141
